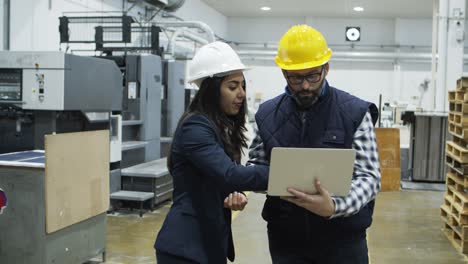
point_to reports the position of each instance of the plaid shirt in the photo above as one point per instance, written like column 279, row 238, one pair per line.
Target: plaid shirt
column 366, row 176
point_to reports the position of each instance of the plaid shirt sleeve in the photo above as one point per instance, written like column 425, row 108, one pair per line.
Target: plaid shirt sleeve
column 257, row 154
column 366, row 176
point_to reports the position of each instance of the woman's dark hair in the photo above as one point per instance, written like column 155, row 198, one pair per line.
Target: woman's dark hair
column 231, row 129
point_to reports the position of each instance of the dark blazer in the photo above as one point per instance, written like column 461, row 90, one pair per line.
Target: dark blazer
column 198, row 227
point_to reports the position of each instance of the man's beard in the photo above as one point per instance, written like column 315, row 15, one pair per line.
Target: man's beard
column 305, row 102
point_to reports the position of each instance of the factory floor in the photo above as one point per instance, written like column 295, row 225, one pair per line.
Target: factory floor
column 407, row 228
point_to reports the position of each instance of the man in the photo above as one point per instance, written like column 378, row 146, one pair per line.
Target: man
column 317, row 228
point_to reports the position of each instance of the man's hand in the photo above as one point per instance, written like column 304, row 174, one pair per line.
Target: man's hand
column 320, row 203
column 235, row 201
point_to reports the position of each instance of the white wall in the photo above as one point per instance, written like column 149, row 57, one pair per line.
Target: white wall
column 373, row 31
column 245, row 29
column 199, row 11
column 365, row 79
column 266, row 80
column 413, row 32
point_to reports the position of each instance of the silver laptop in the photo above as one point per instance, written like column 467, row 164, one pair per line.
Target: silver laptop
column 298, row 167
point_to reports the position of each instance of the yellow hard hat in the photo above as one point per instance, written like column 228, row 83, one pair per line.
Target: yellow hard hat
column 302, row 47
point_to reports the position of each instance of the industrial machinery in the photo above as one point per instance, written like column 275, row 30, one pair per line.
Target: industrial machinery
column 42, row 94
column 53, row 92
column 153, row 101
column 428, row 134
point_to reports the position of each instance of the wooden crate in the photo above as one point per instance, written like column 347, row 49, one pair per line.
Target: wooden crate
column 458, row 153
column 460, row 168
column 455, row 220
column 453, row 179
column 460, row 202
column 452, row 234
column 460, row 96
column 388, row 144
column 460, row 142
column 458, row 131
column 458, row 119
column 458, row 107
column 458, row 217
column 462, row 83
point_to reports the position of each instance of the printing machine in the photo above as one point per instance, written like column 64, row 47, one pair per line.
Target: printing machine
column 53, row 92
column 41, row 94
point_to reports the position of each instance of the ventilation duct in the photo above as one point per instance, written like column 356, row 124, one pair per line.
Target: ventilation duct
column 158, row 3
column 167, row 5
column 173, row 5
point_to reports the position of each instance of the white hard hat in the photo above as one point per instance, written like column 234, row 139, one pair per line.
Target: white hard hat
column 216, row 58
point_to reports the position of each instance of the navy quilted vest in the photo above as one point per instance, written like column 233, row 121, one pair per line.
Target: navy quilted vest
column 330, row 123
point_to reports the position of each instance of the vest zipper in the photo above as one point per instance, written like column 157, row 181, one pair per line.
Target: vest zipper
column 306, row 214
column 303, row 120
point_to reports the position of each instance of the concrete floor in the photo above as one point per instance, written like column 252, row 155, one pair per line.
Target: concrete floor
column 406, row 229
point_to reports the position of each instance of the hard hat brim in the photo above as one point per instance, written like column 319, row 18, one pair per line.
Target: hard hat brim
column 303, row 65
column 220, row 74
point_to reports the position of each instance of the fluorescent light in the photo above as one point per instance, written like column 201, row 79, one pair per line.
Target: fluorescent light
column 265, row 8
column 358, row 8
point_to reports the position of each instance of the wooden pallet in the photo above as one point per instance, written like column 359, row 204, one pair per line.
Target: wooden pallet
column 455, row 231
column 459, row 96
column 451, row 214
column 460, row 142
column 460, row 168
column 458, row 107
column 460, row 201
column 458, row 217
column 445, row 212
column 458, row 131
column 456, row 152
column 455, row 180
column 458, row 119
column 453, row 236
column 452, row 209
column 462, row 83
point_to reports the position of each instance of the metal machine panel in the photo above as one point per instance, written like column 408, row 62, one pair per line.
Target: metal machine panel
column 22, row 218
column 150, row 79
column 32, row 60
column 59, row 81
column 88, row 240
column 176, row 94
column 114, row 181
column 43, row 89
column 92, row 84
column 428, row 147
column 23, row 238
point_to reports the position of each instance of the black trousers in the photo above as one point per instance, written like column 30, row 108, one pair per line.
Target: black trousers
column 164, row 258
column 349, row 252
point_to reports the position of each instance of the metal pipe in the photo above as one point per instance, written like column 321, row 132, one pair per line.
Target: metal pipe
column 442, row 55
column 182, row 32
column 189, row 24
column 434, row 51
column 352, row 55
column 6, row 25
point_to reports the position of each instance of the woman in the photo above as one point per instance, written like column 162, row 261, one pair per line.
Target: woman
column 204, row 163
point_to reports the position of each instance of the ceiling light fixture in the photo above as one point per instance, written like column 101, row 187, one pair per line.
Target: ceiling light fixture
column 265, row 8
column 358, row 8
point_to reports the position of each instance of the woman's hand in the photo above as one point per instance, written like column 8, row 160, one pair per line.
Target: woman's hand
column 236, row 201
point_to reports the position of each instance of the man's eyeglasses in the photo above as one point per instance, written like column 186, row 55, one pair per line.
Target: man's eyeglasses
column 299, row 79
